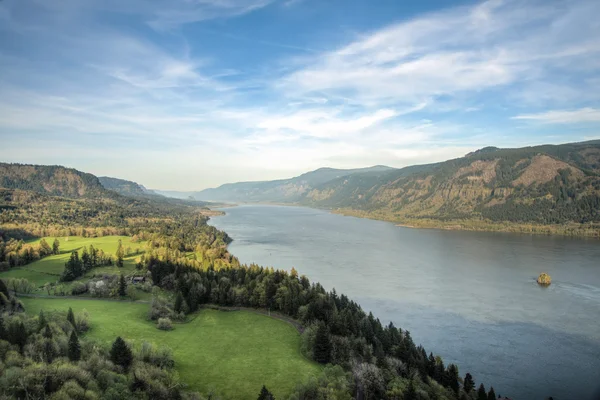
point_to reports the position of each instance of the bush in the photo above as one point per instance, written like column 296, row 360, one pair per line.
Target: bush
column 164, row 324
column 82, row 321
column 78, row 288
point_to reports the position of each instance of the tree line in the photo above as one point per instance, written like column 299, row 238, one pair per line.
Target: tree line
column 382, row 361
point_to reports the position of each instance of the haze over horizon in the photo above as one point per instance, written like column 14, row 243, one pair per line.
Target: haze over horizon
column 184, row 95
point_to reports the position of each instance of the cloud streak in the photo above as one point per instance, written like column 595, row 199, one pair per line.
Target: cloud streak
column 154, row 85
column 582, row 115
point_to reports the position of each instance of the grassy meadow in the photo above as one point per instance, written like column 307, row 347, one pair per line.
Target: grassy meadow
column 233, row 353
column 49, row 268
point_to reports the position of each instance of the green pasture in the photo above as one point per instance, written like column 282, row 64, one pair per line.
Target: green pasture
column 49, row 269
column 232, row 353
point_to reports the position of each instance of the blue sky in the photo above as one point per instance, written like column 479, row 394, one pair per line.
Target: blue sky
column 187, row 94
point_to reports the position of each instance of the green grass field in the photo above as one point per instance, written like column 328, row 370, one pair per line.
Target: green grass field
column 48, row 269
column 233, row 353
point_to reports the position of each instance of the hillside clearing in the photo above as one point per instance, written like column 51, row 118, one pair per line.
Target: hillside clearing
column 233, row 353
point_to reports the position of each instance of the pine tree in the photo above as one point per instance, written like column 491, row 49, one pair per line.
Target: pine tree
column 178, row 306
column 41, row 321
column 481, row 394
column 93, row 256
column 322, row 348
column 3, row 333
column 73, row 268
column 71, row 317
column 469, row 383
column 265, row 394
column 47, row 332
column 49, row 352
column 491, row 394
column 74, row 350
column 120, row 254
column 45, row 248
column 86, row 260
column 120, row 353
column 122, row 286
column 410, row 393
column 17, row 334
column 452, row 378
column 56, row 246
column 4, row 289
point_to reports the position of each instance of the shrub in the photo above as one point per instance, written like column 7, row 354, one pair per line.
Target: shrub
column 82, row 321
column 78, row 288
column 164, row 324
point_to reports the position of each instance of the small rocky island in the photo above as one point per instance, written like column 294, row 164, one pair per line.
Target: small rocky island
column 544, row 279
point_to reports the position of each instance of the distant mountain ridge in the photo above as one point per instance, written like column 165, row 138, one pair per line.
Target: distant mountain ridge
column 547, row 184
column 124, row 187
column 282, row 190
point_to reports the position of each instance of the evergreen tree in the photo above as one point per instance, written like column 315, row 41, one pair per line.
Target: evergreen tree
column 71, row 317
column 41, row 321
column 3, row 333
column 491, row 394
column 47, row 332
column 73, row 268
column 93, row 256
column 481, row 394
column 17, row 334
column 45, row 248
column 4, row 289
column 49, row 352
column 178, row 306
column 56, row 246
column 74, row 350
column 410, row 393
column 120, row 353
column 265, row 394
column 86, row 260
column 120, row 254
column 469, row 383
column 322, row 347
column 452, row 378
column 122, row 286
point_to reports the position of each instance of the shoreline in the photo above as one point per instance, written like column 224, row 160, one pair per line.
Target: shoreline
column 473, row 225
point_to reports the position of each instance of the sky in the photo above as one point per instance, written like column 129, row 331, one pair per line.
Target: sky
column 189, row 94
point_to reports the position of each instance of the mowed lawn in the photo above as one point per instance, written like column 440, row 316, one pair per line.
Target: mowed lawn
column 49, row 269
column 233, row 353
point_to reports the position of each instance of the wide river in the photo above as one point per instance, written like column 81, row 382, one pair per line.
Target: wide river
column 469, row 297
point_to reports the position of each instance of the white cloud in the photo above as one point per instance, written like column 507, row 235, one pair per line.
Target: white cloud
column 462, row 50
column 155, row 103
column 586, row 114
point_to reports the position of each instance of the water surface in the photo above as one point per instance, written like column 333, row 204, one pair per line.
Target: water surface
column 469, row 297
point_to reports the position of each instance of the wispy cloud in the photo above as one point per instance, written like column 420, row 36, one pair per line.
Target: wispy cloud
column 172, row 91
column 586, row 114
column 474, row 49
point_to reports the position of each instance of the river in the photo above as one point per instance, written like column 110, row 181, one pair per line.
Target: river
column 470, row 297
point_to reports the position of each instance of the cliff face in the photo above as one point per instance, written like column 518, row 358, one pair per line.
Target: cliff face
column 51, row 180
column 545, row 184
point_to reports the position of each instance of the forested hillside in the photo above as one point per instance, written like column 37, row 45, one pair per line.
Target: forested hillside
column 50, row 179
column 542, row 185
column 284, row 190
column 124, row 187
column 549, row 188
